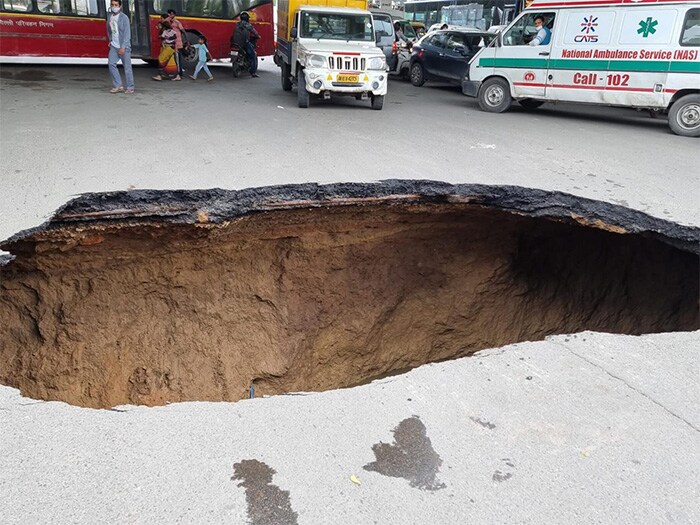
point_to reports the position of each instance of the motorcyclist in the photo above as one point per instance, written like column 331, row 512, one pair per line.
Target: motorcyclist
column 245, row 36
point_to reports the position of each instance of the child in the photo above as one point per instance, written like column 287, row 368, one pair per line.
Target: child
column 202, row 55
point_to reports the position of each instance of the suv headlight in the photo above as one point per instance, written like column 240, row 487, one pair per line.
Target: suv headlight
column 315, row 61
column 376, row 63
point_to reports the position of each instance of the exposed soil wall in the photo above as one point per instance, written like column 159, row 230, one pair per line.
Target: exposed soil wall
column 106, row 313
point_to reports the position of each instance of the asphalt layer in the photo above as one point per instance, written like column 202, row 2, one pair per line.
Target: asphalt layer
column 575, row 429
column 218, row 206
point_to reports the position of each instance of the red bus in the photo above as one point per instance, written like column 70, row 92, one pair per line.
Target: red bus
column 77, row 28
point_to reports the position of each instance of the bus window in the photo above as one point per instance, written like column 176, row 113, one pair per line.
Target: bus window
column 691, row 28
column 194, row 8
column 68, row 7
column 17, row 5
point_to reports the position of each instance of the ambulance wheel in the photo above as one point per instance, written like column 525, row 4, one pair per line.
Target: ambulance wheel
column 530, row 103
column 377, row 101
column 286, row 80
column 417, row 75
column 494, row 96
column 684, row 116
column 302, row 94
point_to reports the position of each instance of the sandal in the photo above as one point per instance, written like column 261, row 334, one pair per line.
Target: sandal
column 157, row 77
column 193, row 77
column 210, row 79
column 119, row 89
column 178, row 78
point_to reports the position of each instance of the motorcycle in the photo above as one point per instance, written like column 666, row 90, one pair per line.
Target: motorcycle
column 402, row 60
column 239, row 61
column 239, row 58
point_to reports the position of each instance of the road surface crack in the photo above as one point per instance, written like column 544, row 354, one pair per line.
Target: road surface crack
column 642, row 393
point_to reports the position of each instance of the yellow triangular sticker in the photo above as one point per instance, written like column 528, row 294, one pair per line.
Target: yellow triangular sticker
column 366, row 78
column 329, row 78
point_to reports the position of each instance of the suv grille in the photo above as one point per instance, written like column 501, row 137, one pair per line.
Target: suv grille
column 346, row 63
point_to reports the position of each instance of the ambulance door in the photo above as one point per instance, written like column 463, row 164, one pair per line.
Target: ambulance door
column 522, row 63
column 637, row 77
column 577, row 71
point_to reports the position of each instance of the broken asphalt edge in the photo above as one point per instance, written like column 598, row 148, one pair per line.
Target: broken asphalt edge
column 216, row 206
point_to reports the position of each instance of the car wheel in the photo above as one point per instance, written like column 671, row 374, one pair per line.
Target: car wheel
column 494, row 95
column 530, row 103
column 286, row 80
column 684, row 116
column 302, row 94
column 417, row 75
column 377, row 102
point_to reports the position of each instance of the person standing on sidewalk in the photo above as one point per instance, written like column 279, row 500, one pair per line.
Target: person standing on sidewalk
column 180, row 42
column 119, row 36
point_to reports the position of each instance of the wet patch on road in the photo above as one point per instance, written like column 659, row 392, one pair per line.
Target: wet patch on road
column 411, row 456
column 267, row 503
column 28, row 75
column 499, row 476
column 483, row 423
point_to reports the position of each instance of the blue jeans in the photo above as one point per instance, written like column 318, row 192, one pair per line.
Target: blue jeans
column 200, row 66
column 113, row 60
column 252, row 57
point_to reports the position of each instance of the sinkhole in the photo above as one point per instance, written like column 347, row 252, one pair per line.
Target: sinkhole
column 151, row 297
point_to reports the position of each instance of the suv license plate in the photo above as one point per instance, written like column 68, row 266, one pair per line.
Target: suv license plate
column 348, row 79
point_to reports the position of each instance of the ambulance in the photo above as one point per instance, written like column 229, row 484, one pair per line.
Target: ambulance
column 627, row 53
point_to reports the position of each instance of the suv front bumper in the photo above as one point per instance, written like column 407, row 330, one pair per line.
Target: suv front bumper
column 320, row 80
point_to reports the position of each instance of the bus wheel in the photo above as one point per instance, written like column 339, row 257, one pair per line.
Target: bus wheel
column 494, row 95
column 286, row 80
column 302, row 94
column 190, row 52
column 530, row 103
column 684, row 116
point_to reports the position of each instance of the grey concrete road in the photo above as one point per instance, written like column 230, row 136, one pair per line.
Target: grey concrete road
column 589, row 428
column 63, row 134
column 576, row 429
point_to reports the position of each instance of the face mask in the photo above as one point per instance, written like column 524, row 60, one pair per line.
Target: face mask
column 115, row 10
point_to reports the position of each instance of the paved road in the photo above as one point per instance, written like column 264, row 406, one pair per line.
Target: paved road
column 63, row 134
column 575, row 429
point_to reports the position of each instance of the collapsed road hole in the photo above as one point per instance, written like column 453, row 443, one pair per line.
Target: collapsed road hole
column 156, row 297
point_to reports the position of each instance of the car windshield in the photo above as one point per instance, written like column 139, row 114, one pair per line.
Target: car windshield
column 336, row 26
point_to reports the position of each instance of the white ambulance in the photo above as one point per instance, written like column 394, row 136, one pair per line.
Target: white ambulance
column 639, row 54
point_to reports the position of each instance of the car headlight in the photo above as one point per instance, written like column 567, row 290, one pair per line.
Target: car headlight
column 377, row 63
column 315, row 61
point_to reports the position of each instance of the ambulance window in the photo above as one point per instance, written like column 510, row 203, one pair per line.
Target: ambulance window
column 691, row 28
column 525, row 29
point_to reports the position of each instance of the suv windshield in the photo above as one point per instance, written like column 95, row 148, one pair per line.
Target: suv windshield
column 336, row 26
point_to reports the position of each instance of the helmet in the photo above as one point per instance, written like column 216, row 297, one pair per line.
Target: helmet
column 245, row 16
